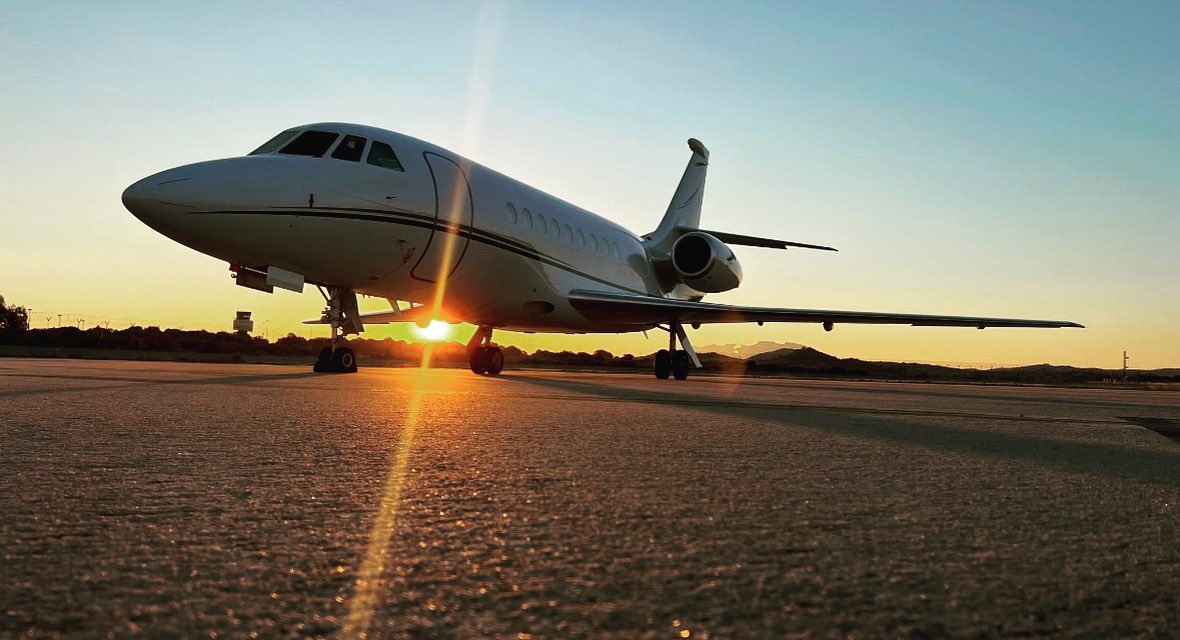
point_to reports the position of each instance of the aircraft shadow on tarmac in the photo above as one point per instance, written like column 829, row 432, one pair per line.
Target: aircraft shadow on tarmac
column 1093, row 458
column 1029, row 399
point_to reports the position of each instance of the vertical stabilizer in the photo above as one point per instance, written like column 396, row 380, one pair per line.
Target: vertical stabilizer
column 684, row 212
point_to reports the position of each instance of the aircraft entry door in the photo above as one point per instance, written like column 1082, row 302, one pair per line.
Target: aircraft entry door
column 453, row 214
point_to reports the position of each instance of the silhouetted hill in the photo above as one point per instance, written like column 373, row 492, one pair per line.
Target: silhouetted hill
column 794, row 357
column 748, row 351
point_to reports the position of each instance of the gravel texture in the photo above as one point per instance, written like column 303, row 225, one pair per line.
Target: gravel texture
column 195, row 500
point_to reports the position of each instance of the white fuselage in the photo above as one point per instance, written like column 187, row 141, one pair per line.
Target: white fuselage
column 509, row 253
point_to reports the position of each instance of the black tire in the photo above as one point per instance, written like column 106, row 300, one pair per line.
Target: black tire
column 680, row 365
column 494, row 359
column 663, row 364
column 323, row 364
column 343, row 360
column 478, row 360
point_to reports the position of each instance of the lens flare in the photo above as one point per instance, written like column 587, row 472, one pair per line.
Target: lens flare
column 435, row 331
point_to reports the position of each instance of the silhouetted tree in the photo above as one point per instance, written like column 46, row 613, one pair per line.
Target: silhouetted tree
column 14, row 322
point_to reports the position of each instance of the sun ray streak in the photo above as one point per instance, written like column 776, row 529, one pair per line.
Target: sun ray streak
column 368, row 583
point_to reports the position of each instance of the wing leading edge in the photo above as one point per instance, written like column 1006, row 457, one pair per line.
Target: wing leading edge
column 621, row 308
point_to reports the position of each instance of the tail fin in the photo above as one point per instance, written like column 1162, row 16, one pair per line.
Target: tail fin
column 684, row 212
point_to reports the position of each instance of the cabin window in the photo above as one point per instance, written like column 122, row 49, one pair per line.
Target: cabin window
column 541, row 224
column 382, row 155
column 569, row 234
column 594, row 243
column 556, row 228
column 581, row 237
column 528, row 217
column 512, row 217
column 310, row 143
column 274, row 143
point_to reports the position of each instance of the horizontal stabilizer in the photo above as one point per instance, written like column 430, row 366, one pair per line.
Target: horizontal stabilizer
column 753, row 241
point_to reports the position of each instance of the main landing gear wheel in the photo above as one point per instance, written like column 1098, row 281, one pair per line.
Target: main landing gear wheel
column 495, row 360
column 489, row 360
column 680, row 365
column 672, row 361
column 477, row 360
column 663, row 364
column 482, row 356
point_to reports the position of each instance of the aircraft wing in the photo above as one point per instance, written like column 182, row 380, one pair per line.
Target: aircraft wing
column 623, row 308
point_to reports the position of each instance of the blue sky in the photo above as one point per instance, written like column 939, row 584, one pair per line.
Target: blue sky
column 994, row 158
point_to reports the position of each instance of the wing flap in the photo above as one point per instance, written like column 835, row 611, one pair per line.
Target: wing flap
column 624, row 308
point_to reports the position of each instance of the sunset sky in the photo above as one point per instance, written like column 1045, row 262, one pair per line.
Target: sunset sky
column 1007, row 159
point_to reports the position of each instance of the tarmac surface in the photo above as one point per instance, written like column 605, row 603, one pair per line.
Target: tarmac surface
column 170, row 500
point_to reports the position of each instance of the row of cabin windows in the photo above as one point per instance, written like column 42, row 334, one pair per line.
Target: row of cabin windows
column 316, row 143
column 537, row 222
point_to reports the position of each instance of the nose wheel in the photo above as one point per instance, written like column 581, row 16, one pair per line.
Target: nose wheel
column 482, row 356
column 338, row 360
column 342, row 316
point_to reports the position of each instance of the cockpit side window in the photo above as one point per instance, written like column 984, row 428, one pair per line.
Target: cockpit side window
column 310, row 143
column 274, row 143
column 382, row 155
column 350, row 149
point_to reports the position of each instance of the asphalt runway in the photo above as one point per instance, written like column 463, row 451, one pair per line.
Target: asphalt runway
column 171, row 499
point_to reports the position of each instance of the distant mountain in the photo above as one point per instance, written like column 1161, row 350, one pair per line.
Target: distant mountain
column 801, row 357
column 750, row 350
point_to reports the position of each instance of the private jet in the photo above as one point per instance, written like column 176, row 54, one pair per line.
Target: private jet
column 354, row 210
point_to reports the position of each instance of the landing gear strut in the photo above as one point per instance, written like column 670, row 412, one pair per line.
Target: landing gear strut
column 674, row 362
column 482, row 356
column 341, row 314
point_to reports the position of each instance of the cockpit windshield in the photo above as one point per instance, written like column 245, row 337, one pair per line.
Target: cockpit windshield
column 310, row 143
column 272, row 145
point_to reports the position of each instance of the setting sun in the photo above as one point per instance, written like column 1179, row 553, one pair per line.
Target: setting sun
column 436, row 330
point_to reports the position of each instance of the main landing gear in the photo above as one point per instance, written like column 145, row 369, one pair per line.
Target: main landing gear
column 482, row 356
column 673, row 362
column 342, row 315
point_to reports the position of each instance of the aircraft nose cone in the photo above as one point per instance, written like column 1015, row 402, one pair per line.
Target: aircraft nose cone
column 138, row 198
column 155, row 199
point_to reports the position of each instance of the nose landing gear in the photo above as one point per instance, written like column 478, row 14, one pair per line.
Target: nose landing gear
column 342, row 315
column 482, row 356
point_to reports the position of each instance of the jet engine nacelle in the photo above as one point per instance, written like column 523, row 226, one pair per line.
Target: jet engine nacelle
column 705, row 263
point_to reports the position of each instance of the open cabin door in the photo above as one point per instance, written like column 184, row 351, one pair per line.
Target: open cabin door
column 453, row 213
